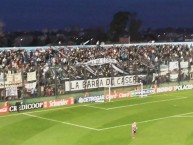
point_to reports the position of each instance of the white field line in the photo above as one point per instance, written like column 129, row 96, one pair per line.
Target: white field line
column 102, row 108
column 166, row 100
column 43, row 110
column 52, row 109
column 67, row 123
column 145, row 121
column 90, row 106
column 102, row 129
column 58, row 108
column 184, row 116
column 74, row 106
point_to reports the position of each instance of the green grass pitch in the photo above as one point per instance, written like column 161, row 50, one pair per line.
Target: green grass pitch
column 162, row 119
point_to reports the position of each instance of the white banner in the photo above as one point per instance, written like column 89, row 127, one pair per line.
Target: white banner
column 30, row 85
column 2, row 78
column 173, row 65
column 14, row 78
column 185, row 71
column 10, row 79
column 18, row 78
column 173, row 77
column 101, row 61
column 184, row 64
column 163, row 73
column 191, row 70
column 163, row 68
column 102, row 82
column 12, row 91
column 31, row 76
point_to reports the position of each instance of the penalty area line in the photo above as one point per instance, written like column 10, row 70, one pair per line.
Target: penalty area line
column 67, row 123
column 185, row 116
column 166, row 100
column 90, row 106
column 145, row 121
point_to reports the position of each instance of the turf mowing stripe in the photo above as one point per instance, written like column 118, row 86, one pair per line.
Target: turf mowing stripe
column 67, row 123
column 145, row 121
column 146, row 103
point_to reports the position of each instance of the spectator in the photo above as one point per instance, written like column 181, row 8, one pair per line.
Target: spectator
column 55, row 66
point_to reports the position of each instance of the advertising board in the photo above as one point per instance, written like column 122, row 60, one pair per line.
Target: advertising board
column 58, row 102
column 30, row 106
column 4, row 110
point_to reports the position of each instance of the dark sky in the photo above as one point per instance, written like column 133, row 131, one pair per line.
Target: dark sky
column 39, row 14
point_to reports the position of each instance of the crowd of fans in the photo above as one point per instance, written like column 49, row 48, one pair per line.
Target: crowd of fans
column 55, row 65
